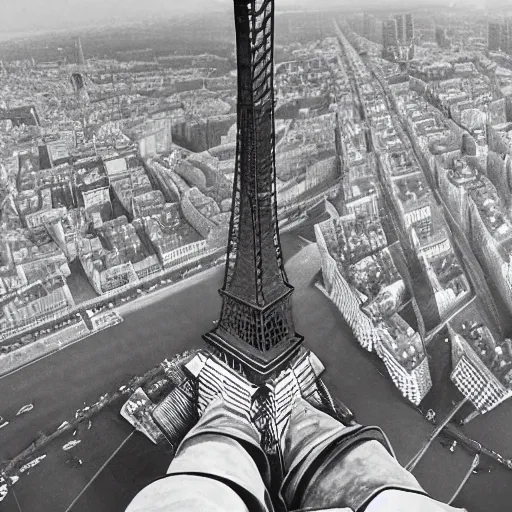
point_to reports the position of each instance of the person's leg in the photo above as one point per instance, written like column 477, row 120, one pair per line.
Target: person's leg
column 218, row 466
column 330, row 465
column 188, row 493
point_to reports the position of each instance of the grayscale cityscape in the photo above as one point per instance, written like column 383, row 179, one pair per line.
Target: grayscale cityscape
column 255, row 255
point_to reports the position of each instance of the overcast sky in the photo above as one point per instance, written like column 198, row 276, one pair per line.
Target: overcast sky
column 32, row 15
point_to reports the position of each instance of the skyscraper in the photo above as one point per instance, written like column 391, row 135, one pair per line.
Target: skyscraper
column 404, row 28
column 367, row 25
column 408, row 28
column 493, row 37
column 372, row 28
column 400, row 28
column 441, row 38
column 506, row 36
column 256, row 325
column 389, row 38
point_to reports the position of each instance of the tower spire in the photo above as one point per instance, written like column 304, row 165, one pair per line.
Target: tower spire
column 79, row 53
column 78, row 82
column 256, row 325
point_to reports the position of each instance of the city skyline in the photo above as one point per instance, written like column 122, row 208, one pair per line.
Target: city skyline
column 29, row 16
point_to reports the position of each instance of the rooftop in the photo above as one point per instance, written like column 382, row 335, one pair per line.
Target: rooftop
column 121, row 238
column 401, row 163
column 449, row 273
column 351, row 238
column 168, row 230
column 404, row 343
column 362, row 187
column 496, row 355
column 462, row 174
column 491, row 211
column 411, row 189
column 373, row 273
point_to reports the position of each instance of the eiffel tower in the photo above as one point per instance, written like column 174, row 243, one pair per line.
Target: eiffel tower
column 79, row 53
column 255, row 328
column 78, row 73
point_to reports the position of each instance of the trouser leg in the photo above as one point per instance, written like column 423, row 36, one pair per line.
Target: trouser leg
column 330, row 465
column 220, row 466
column 190, row 493
column 220, row 456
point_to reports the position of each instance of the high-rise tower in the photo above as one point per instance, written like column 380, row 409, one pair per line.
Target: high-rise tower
column 506, row 36
column 493, row 37
column 400, row 28
column 408, row 28
column 389, row 39
column 256, row 325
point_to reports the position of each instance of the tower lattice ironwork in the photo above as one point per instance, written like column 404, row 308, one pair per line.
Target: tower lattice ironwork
column 256, row 325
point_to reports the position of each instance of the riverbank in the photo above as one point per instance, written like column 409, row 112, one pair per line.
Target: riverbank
column 33, row 351
column 129, row 291
column 161, row 293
